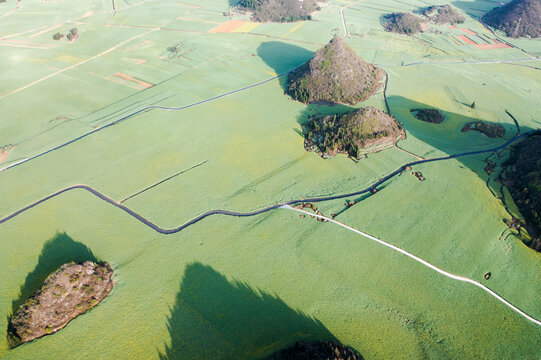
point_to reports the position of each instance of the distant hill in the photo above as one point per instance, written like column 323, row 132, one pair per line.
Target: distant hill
column 279, row 10
column 351, row 132
column 403, row 23
column 519, row 18
column 522, row 176
column 443, row 14
column 334, row 74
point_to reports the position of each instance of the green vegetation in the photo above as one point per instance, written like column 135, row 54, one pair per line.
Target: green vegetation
column 518, row 18
column 522, row 176
column 335, row 74
column 443, row 14
column 403, row 23
column 490, row 130
column 279, row 10
column 364, row 294
column 349, row 133
column 434, row 116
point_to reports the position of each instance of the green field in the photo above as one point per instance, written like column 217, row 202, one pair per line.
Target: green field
column 244, row 288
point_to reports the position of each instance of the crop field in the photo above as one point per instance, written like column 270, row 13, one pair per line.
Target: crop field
column 139, row 90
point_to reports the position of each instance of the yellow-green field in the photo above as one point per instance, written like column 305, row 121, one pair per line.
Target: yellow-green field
column 243, row 288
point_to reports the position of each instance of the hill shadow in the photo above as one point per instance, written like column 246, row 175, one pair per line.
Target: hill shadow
column 233, row 2
column 475, row 9
column 59, row 250
column 282, row 57
column 213, row 318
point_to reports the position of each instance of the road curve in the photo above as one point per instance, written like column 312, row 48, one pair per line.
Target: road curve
column 426, row 263
column 114, row 122
column 252, row 213
column 287, row 206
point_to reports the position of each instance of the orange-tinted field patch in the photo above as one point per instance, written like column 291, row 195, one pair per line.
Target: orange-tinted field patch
column 497, row 45
column 469, row 32
column 4, row 153
column 227, row 27
column 136, row 61
column 467, row 40
column 132, row 79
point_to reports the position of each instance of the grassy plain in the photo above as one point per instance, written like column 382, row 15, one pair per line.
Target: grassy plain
column 223, row 287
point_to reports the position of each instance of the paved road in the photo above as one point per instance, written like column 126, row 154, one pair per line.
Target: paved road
column 114, row 122
column 427, row 264
column 256, row 212
column 287, row 206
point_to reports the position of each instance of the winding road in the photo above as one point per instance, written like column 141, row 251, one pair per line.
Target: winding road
column 287, row 205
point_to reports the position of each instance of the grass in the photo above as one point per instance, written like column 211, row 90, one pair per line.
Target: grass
column 362, row 294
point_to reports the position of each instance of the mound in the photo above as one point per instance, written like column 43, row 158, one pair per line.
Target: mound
column 433, row 116
column 522, row 176
column 279, row 10
column 352, row 132
column 334, row 74
column 403, row 23
column 443, row 14
column 519, row 18
column 326, row 350
column 67, row 293
column 490, row 130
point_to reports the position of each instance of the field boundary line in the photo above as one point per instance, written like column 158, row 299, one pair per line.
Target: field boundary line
column 76, row 65
column 147, row 108
column 423, row 262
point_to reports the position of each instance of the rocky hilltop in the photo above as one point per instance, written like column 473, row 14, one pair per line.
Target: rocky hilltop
column 279, row 10
column 335, row 74
column 518, row 18
column 67, row 293
column 352, row 133
column 403, row 23
column 443, row 14
column 325, row 350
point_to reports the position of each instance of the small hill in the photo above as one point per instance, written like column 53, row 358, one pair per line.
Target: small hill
column 325, row 350
column 519, row 18
column 351, row 133
column 443, row 14
column 433, row 116
column 490, row 130
column 279, row 10
column 67, row 293
column 522, row 176
column 334, row 74
column 403, row 23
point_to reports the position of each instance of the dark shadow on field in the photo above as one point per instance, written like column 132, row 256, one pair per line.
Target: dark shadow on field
column 449, row 138
column 475, row 9
column 214, row 318
column 282, row 57
column 59, row 250
column 233, row 2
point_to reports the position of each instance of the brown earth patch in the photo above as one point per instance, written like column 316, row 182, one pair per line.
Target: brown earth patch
column 67, row 293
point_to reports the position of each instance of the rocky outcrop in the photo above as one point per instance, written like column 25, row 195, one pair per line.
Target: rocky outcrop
column 325, row 350
column 335, row 74
column 518, row 18
column 67, row 293
column 353, row 133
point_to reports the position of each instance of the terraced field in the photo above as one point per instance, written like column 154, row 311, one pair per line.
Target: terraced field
column 246, row 287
